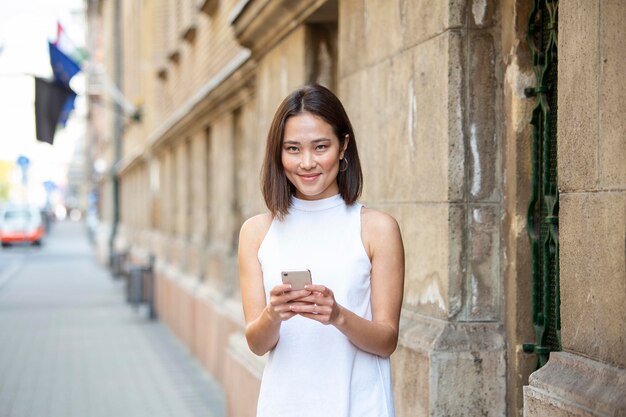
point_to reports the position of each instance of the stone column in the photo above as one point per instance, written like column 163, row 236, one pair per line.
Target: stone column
column 181, row 202
column 161, row 215
column 220, row 256
column 253, row 149
column 589, row 377
column 198, row 218
column 169, row 200
column 425, row 103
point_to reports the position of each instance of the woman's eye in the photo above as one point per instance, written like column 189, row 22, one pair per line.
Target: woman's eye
column 291, row 149
column 321, row 147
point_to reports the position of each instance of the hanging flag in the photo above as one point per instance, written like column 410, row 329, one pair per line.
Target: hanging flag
column 67, row 109
column 50, row 97
column 63, row 67
column 65, row 44
column 68, row 47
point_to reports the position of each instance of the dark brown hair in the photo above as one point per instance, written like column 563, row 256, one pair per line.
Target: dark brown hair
column 321, row 102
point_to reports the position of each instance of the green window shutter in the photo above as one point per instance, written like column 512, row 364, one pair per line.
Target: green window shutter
column 543, row 209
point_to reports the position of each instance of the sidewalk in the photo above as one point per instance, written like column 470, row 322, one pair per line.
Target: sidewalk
column 71, row 346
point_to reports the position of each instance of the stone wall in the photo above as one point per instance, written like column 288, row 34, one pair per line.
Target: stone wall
column 435, row 94
column 589, row 377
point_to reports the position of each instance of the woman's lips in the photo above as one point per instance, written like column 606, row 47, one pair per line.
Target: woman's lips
column 309, row 177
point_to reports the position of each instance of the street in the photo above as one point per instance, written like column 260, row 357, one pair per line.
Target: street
column 71, row 346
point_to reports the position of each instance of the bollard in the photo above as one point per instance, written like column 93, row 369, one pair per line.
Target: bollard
column 134, row 284
column 117, row 263
column 140, row 286
column 114, row 263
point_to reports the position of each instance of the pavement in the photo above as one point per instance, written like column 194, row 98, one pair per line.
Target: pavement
column 71, row 346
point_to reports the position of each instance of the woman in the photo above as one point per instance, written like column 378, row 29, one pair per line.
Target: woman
column 329, row 344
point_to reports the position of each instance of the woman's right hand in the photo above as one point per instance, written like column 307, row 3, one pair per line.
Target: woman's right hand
column 281, row 298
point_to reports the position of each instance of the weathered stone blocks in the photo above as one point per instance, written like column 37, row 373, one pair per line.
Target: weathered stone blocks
column 574, row 386
column 612, row 97
column 593, row 276
column 460, row 368
column 481, row 110
column 578, row 90
column 411, row 129
column 426, row 288
column 483, row 286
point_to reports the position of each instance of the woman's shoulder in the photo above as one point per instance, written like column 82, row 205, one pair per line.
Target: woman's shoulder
column 255, row 228
column 376, row 221
column 380, row 231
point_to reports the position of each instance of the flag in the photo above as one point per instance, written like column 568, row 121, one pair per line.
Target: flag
column 65, row 44
column 50, row 97
column 67, row 109
column 63, row 67
column 68, row 47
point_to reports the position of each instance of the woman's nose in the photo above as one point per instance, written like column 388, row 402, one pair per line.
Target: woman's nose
column 307, row 161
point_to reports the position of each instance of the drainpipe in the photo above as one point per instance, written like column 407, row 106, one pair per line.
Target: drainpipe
column 118, row 126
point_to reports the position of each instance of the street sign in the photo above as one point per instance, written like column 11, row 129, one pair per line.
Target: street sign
column 23, row 161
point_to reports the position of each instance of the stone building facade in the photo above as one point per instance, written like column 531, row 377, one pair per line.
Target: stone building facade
column 435, row 91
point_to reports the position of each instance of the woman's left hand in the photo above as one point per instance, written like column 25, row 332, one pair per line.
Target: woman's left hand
column 319, row 306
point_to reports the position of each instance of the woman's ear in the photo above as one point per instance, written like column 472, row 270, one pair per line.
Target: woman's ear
column 346, row 139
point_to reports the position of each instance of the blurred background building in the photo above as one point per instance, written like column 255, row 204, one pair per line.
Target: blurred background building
column 441, row 95
column 52, row 178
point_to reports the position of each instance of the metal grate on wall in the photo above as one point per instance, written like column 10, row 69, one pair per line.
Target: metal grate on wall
column 543, row 209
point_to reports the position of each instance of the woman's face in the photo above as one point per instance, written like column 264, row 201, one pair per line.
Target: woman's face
column 310, row 156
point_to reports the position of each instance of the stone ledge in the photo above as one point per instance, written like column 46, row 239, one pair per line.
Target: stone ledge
column 465, row 363
column 424, row 333
column 239, row 351
column 251, row 20
column 226, row 306
column 577, row 386
column 418, row 332
column 172, row 273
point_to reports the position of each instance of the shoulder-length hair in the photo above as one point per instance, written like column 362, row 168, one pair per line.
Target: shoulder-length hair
column 321, row 102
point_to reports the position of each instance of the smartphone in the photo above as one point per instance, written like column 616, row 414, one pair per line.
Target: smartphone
column 297, row 278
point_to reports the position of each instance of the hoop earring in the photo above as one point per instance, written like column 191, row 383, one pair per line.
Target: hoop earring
column 345, row 166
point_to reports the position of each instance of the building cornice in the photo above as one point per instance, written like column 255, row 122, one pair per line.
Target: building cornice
column 252, row 18
column 128, row 162
column 208, row 97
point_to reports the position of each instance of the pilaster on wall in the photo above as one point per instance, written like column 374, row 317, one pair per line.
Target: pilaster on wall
column 444, row 368
column 429, row 145
column 425, row 102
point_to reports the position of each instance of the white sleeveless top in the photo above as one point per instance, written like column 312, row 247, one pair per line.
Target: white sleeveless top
column 314, row 370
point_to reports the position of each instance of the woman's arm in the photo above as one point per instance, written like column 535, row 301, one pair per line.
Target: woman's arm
column 383, row 242
column 262, row 319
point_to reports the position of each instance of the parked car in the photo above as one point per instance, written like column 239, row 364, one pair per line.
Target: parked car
column 21, row 224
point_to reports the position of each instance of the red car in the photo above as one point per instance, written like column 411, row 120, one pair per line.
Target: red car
column 21, row 224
